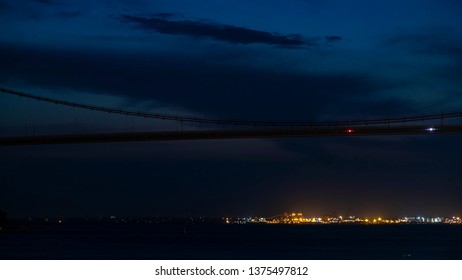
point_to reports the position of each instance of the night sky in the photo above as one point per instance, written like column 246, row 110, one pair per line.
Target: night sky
column 264, row 60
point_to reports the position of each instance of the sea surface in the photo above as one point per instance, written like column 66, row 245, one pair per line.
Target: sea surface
column 217, row 241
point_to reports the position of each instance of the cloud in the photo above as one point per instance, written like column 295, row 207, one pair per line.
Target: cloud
column 437, row 55
column 164, row 24
column 165, row 15
column 38, row 10
column 439, row 42
column 210, row 86
column 332, row 39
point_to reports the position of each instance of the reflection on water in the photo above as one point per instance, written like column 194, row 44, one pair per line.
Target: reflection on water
column 177, row 241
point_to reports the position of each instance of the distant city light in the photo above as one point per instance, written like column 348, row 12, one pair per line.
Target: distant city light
column 349, row 131
column 430, row 129
column 298, row 218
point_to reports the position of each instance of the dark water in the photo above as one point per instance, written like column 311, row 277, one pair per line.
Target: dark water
column 154, row 241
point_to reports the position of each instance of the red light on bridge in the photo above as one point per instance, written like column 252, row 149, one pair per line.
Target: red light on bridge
column 349, row 131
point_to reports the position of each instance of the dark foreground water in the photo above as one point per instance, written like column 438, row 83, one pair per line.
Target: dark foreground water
column 162, row 241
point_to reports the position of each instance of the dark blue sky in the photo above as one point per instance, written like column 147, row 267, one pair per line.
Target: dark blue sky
column 300, row 59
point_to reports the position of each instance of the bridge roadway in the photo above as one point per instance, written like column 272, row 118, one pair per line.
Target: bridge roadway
column 229, row 134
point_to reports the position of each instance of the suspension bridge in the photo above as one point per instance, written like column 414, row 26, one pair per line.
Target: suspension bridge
column 432, row 124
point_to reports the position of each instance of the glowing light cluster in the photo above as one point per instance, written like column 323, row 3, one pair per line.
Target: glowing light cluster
column 298, row 218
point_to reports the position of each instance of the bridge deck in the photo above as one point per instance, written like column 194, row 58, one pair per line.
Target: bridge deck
column 229, row 134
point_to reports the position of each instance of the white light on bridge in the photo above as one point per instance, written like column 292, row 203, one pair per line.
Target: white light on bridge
column 430, row 129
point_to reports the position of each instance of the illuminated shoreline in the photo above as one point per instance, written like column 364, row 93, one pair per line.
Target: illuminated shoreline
column 298, row 218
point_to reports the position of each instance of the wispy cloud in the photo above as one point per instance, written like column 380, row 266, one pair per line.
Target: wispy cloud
column 431, row 42
column 332, row 39
column 165, row 24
